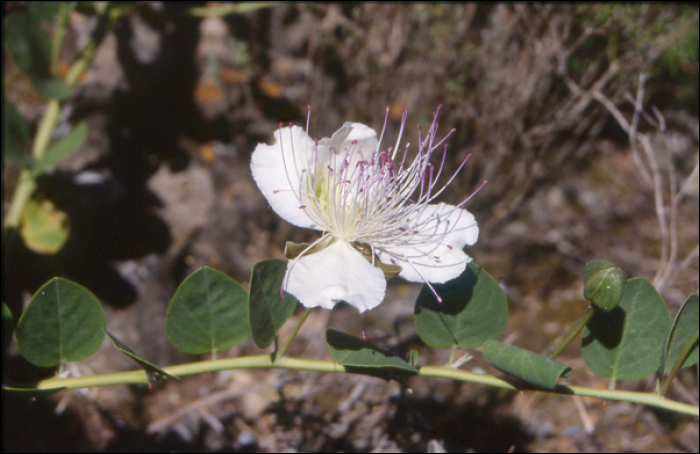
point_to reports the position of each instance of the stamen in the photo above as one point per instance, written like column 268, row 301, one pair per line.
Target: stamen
column 473, row 193
column 454, row 175
column 381, row 136
column 425, row 281
column 284, row 161
column 404, row 117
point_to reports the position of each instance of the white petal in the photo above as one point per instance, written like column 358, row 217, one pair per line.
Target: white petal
column 432, row 251
column 365, row 137
column 337, row 273
column 277, row 170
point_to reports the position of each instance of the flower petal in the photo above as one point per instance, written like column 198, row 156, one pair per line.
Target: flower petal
column 337, row 273
column 365, row 137
column 277, row 170
column 431, row 250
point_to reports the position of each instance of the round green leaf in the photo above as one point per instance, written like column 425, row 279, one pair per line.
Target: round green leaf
column 528, row 366
column 360, row 356
column 626, row 343
column 473, row 309
column 603, row 284
column 209, row 312
column 267, row 308
column 683, row 331
column 63, row 322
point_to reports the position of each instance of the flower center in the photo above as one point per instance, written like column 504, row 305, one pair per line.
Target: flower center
column 365, row 195
column 338, row 193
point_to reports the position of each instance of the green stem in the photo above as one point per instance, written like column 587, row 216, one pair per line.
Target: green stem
column 286, row 345
column 25, row 188
column 227, row 9
column 679, row 363
column 266, row 362
column 78, row 68
column 572, row 335
column 26, row 184
column 46, row 127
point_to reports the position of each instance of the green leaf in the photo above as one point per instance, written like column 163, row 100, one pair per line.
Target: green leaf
column 59, row 151
column 28, row 44
column 53, row 88
column 30, row 48
column 603, row 284
column 626, row 343
column 361, row 357
column 45, row 11
column 207, row 313
column 268, row 311
column 528, row 366
column 7, row 327
column 153, row 372
column 15, row 137
column 63, row 322
column 473, row 309
column 683, row 331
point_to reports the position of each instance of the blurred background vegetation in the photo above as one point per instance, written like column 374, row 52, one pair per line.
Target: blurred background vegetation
column 177, row 97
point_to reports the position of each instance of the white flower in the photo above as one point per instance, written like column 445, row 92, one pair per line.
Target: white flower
column 371, row 207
